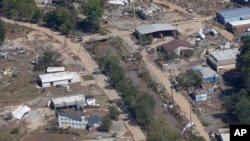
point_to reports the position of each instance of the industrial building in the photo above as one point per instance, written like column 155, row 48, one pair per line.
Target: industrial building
column 155, row 29
column 208, row 74
column 55, row 69
column 238, row 27
column 58, row 78
column 223, row 59
column 231, row 15
column 76, row 101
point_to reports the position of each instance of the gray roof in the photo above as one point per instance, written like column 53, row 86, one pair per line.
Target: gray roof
column 94, row 120
column 237, row 12
column 89, row 97
column 205, row 71
column 225, row 55
column 151, row 28
column 71, row 116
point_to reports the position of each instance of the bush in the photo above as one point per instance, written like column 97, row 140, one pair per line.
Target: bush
column 14, row 131
column 114, row 113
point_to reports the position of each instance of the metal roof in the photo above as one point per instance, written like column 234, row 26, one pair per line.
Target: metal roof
column 151, row 28
column 68, row 101
column 59, row 76
column 205, row 71
column 237, row 12
column 55, row 69
column 241, row 22
column 224, row 55
column 71, row 116
column 20, row 111
column 95, row 119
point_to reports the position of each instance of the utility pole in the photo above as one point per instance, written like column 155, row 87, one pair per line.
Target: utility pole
column 191, row 118
column 171, row 87
column 134, row 13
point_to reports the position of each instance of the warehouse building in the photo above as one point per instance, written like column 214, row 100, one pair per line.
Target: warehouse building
column 155, row 29
column 223, row 59
column 231, row 15
column 238, row 27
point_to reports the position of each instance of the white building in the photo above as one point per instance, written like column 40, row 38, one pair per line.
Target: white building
column 20, row 111
column 55, row 69
column 90, row 100
column 224, row 134
column 67, row 101
column 59, row 78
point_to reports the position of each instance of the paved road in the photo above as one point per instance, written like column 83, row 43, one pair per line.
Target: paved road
column 90, row 64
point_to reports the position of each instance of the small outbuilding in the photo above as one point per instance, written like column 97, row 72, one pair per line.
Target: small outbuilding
column 200, row 95
column 177, row 45
column 208, row 75
column 58, row 78
column 55, row 69
column 20, row 111
column 90, row 100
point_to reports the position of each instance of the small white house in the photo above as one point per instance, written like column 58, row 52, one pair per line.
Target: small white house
column 55, row 69
column 59, row 78
column 90, row 100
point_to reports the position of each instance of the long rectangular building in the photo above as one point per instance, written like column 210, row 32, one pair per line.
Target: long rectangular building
column 238, row 27
column 223, row 59
column 230, row 15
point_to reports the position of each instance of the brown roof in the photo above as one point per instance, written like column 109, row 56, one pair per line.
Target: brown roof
column 175, row 44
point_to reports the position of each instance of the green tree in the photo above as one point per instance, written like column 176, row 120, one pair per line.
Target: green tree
column 61, row 19
column 114, row 112
column 49, row 58
column 190, row 78
column 2, row 32
column 159, row 131
column 37, row 16
column 146, row 40
column 144, row 111
column 187, row 53
column 197, row 138
column 106, row 123
column 243, row 59
column 19, row 9
column 93, row 9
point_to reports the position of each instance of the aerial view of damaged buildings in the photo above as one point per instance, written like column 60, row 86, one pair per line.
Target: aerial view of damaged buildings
column 217, row 55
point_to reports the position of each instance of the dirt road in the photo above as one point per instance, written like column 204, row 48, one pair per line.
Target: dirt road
column 90, row 66
column 200, row 18
column 178, row 98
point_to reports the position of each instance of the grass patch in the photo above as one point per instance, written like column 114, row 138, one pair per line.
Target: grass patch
column 88, row 77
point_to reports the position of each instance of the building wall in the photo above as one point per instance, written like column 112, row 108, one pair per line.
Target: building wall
column 64, row 82
column 211, row 79
column 200, row 97
column 241, row 29
column 229, row 66
column 62, row 121
column 178, row 50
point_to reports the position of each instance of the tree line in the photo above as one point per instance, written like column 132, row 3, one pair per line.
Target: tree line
column 140, row 104
column 63, row 18
column 238, row 104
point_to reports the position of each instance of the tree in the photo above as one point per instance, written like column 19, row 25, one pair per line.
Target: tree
column 159, row 131
column 243, row 59
column 106, row 123
column 197, row 138
column 37, row 16
column 144, row 111
column 19, row 9
column 49, row 58
column 190, row 78
column 2, row 32
column 187, row 53
column 114, row 113
column 146, row 40
column 61, row 19
column 93, row 9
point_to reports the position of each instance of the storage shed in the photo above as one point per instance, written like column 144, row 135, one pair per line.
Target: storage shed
column 230, row 15
column 208, row 74
column 200, row 95
column 55, row 69
column 238, row 27
column 59, row 78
